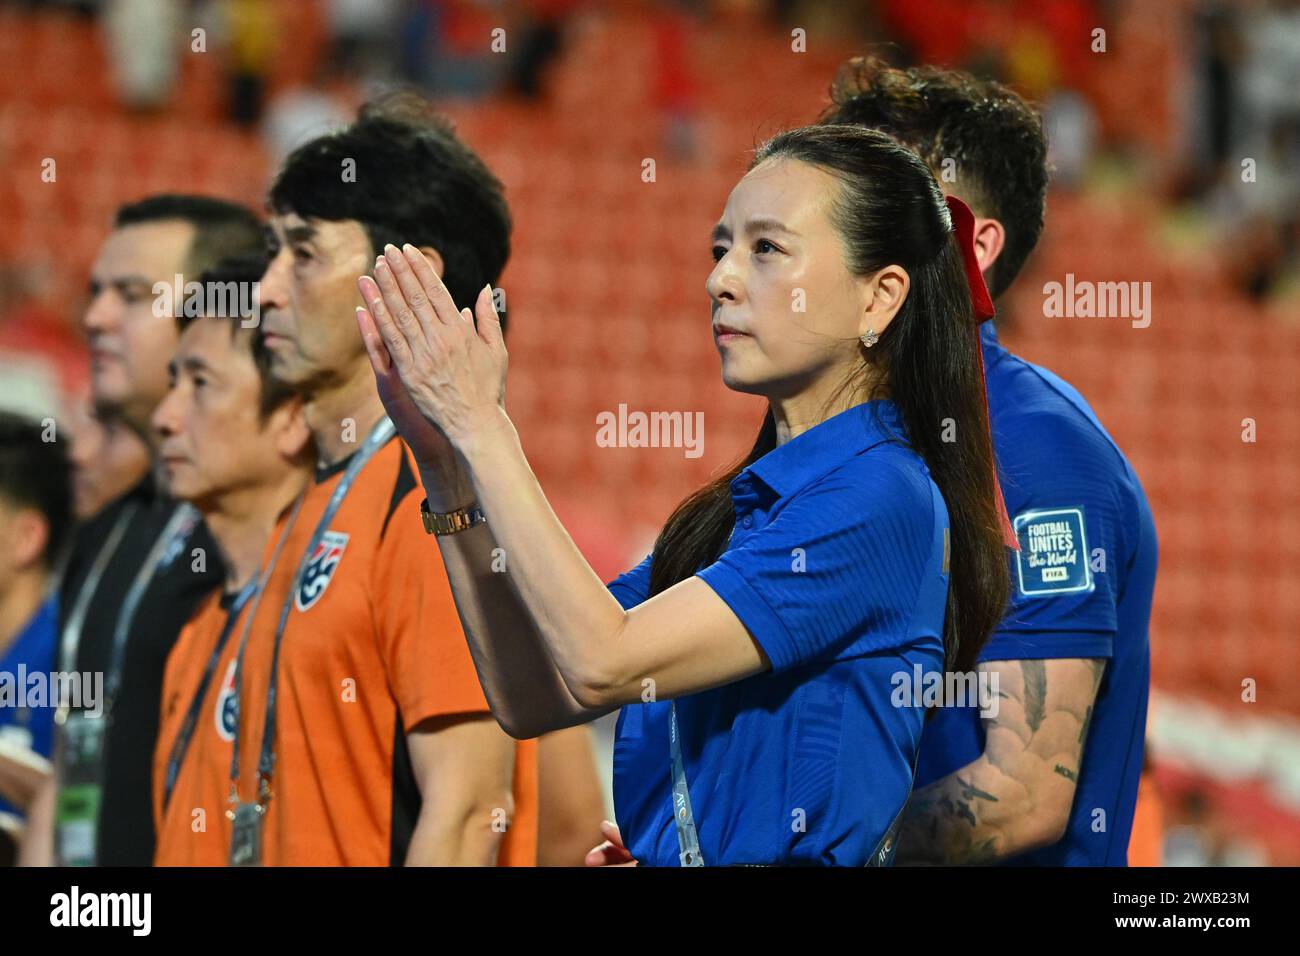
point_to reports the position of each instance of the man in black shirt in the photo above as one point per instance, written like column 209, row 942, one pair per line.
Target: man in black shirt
column 138, row 568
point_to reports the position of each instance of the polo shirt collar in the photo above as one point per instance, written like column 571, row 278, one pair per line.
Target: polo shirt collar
column 991, row 347
column 825, row 446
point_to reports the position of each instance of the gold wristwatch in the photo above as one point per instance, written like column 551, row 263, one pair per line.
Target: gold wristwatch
column 452, row 521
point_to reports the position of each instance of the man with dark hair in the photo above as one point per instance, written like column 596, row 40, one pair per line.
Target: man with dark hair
column 234, row 445
column 35, row 521
column 137, row 569
column 982, row 141
column 380, row 748
column 1051, row 777
column 375, row 174
column 153, row 241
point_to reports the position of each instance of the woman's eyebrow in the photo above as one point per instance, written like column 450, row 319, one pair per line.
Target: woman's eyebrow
column 754, row 226
column 767, row 224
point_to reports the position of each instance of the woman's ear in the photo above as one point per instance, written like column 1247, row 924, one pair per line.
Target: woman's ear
column 884, row 294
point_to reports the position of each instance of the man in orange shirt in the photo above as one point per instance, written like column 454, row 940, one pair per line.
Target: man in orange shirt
column 233, row 444
column 363, row 737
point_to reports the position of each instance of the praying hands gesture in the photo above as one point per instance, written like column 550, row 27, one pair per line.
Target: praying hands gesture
column 440, row 370
column 552, row 646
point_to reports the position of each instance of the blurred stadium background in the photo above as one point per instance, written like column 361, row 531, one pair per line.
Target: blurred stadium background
column 605, row 287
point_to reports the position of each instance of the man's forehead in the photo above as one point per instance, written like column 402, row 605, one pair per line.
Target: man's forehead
column 213, row 340
column 284, row 221
column 150, row 249
column 291, row 225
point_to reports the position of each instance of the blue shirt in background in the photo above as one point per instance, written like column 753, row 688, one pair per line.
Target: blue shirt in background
column 34, row 649
column 1077, row 507
column 836, row 569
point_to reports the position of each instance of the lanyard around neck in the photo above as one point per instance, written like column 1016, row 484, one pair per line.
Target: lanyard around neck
column 378, row 437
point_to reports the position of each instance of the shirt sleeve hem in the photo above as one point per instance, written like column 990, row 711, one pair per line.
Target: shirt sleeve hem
column 626, row 596
column 416, row 716
column 1047, row 645
column 764, row 625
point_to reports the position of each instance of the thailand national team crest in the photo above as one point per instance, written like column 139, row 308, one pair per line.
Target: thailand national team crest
column 320, row 569
column 225, row 709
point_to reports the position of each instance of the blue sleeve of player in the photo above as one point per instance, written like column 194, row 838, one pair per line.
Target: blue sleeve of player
column 632, row 587
column 1065, row 488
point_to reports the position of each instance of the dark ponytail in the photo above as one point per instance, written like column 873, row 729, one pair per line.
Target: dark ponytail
column 889, row 211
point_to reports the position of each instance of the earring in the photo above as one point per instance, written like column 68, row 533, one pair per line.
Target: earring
column 870, row 338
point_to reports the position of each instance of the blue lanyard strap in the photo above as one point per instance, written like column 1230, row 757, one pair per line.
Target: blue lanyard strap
column 378, row 437
column 683, row 816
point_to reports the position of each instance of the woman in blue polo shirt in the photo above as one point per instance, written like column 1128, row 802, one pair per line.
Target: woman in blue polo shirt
column 857, row 545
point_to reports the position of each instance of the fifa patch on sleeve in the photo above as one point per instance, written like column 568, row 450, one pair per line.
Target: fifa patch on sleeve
column 1053, row 556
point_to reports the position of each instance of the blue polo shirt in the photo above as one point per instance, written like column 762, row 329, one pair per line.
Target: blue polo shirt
column 1081, row 587
column 34, row 649
column 835, row 568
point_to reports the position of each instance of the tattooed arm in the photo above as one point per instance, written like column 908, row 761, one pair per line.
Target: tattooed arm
column 1017, row 796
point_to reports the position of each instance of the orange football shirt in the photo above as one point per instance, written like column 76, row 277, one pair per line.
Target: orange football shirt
column 372, row 647
column 193, row 830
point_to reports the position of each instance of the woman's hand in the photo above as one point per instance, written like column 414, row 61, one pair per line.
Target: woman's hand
column 446, row 484
column 612, row 852
column 441, row 376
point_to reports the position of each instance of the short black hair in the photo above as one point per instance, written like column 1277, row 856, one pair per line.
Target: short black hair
column 992, row 133
column 35, row 473
column 238, row 276
column 222, row 229
column 415, row 181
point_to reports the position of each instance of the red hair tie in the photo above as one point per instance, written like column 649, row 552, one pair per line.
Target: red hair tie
column 963, row 223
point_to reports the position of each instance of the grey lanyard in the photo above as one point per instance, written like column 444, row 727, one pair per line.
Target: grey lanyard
column 883, row 854
column 683, row 815
column 181, row 745
column 184, row 513
column 688, row 838
column 257, row 602
column 378, row 437
column 71, row 636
